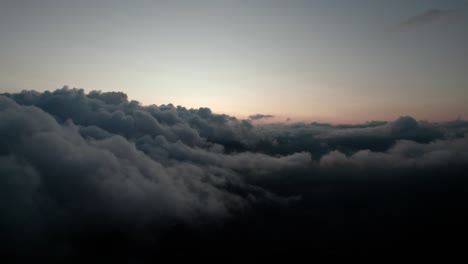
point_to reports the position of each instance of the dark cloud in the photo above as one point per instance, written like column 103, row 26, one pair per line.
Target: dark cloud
column 431, row 16
column 97, row 175
column 259, row 116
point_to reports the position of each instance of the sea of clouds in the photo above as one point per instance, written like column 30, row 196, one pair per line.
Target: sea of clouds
column 80, row 169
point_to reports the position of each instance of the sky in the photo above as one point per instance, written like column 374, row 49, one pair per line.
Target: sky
column 334, row 61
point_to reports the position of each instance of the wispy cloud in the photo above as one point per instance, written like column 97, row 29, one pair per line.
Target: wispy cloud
column 431, row 16
column 260, row 116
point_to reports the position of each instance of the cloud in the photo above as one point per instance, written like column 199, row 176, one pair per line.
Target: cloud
column 98, row 175
column 431, row 16
column 260, row 116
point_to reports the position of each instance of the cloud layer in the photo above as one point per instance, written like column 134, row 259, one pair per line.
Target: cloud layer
column 81, row 168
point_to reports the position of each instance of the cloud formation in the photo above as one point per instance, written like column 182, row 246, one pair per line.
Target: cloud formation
column 82, row 171
column 259, row 116
column 431, row 16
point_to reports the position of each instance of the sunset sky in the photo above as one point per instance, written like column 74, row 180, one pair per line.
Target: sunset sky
column 335, row 61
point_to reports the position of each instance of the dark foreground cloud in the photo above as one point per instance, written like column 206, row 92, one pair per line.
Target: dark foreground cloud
column 86, row 176
column 431, row 16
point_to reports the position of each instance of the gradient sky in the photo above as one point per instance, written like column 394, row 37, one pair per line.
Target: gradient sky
column 335, row 61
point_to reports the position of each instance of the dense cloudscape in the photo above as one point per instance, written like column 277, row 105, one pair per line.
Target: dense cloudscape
column 98, row 175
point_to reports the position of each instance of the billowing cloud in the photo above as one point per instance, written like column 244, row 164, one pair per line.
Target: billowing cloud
column 98, row 175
